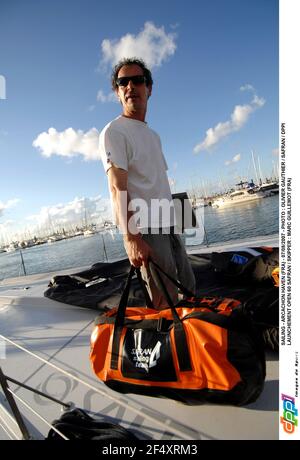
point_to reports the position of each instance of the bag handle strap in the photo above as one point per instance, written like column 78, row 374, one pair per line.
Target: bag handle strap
column 179, row 333
column 120, row 317
column 180, row 286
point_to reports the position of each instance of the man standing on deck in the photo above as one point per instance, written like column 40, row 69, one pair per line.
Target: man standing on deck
column 136, row 168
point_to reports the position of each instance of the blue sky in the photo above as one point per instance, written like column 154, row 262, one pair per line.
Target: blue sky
column 215, row 97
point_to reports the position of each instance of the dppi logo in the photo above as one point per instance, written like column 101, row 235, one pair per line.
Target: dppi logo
column 2, row 87
column 290, row 413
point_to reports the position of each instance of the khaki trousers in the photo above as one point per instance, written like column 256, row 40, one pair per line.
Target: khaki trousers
column 170, row 254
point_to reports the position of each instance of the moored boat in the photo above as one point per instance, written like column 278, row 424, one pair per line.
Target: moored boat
column 269, row 188
column 238, row 197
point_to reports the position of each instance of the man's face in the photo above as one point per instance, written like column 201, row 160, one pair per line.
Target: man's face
column 133, row 97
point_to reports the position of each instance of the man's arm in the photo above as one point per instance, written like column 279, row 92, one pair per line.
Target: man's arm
column 137, row 250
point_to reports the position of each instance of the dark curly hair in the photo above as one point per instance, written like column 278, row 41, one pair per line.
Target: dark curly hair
column 130, row 61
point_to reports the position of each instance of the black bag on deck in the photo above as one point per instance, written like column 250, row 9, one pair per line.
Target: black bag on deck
column 250, row 267
column 253, row 264
column 78, row 425
column 264, row 311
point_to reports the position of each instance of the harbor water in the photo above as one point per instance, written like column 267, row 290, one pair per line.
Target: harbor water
column 258, row 218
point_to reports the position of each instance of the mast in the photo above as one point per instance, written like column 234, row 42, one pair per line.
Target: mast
column 204, row 190
column 254, row 165
column 85, row 219
column 260, row 173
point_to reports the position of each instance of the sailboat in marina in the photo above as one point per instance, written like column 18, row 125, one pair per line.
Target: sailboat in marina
column 88, row 229
column 248, row 191
column 268, row 187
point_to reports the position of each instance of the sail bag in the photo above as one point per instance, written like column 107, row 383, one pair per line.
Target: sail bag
column 200, row 350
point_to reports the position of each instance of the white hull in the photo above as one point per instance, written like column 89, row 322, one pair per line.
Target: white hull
column 228, row 201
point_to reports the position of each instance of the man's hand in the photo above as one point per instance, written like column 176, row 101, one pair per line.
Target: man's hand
column 137, row 249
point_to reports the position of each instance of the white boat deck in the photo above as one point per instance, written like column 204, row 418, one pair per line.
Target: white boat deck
column 60, row 335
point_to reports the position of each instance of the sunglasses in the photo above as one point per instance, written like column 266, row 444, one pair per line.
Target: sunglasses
column 135, row 79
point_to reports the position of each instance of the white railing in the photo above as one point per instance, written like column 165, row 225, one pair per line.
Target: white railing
column 125, row 404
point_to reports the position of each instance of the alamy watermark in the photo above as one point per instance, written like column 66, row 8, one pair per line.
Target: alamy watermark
column 2, row 87
column 176, row 215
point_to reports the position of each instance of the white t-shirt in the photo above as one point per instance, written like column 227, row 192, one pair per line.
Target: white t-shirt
column 131, row 145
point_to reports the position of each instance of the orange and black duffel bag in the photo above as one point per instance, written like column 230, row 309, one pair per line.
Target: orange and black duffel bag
column 203, row 349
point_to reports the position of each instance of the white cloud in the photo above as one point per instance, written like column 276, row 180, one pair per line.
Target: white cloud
column 5, row 230
column 235, row 159
column 275, row 152
column 69, row 143
column 152, row 44
column 6, row 225
column 238, row 119
column 111, row 97
column 9, row 204
column 247, row 87
column 258, row 101
column 76, row 212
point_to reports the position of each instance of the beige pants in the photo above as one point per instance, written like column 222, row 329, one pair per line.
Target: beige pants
column 170, row 254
